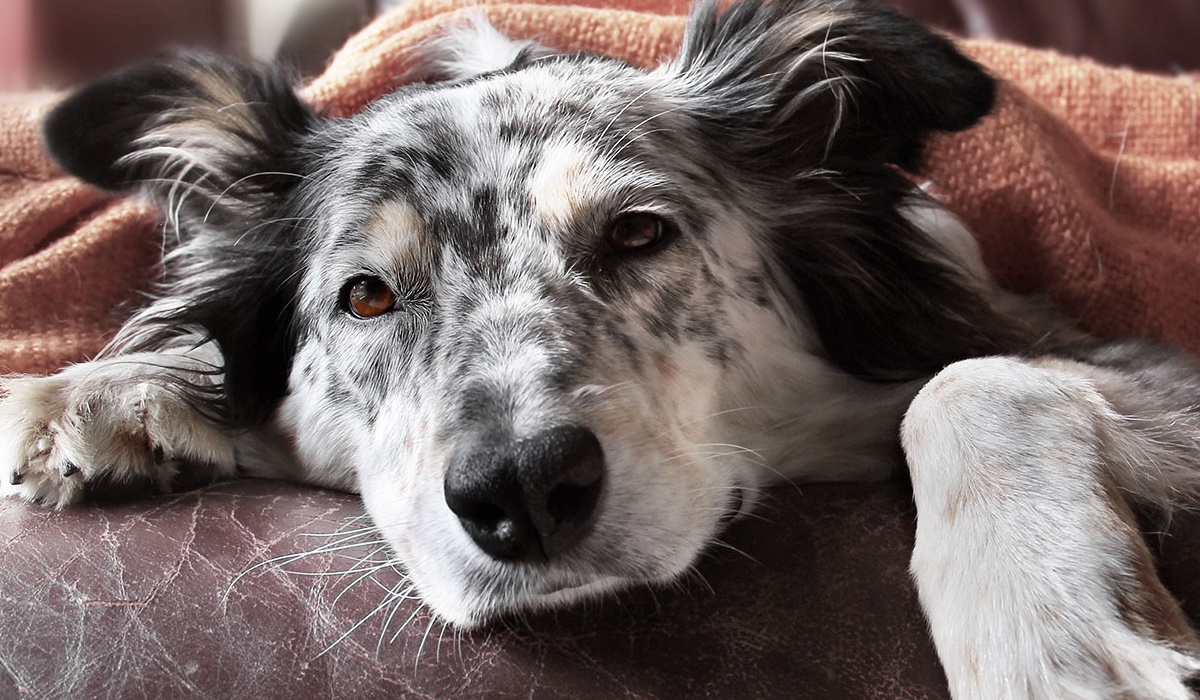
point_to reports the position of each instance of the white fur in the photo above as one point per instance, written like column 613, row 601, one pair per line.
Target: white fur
column 1018, row 549
column 116, row 418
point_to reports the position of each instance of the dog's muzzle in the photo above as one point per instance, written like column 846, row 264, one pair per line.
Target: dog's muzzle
column 528, row 499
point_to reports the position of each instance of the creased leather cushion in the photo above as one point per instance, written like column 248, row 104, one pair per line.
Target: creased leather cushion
column 163, row 600
column 145, row 601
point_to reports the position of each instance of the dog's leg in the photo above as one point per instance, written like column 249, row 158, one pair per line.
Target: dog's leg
column 134, row 418
column 1031, row 569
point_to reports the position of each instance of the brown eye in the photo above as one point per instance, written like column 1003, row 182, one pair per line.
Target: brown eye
column 636, row 232
column 367, row 297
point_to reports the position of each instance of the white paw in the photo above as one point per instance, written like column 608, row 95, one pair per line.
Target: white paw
column 1148, row 669
column 112, row 422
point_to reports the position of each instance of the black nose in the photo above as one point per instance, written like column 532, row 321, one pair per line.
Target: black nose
column 529, row 499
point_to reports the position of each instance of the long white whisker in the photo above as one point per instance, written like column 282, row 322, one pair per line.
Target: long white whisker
column 404, row 625
column 424, row 638
column 240, row 180
column 355, row 627
column 624, row 109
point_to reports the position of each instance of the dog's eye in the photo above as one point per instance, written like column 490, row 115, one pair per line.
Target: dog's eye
column 367, row 297
column 636, row 232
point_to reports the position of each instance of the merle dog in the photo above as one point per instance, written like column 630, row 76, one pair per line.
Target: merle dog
column 559, row 320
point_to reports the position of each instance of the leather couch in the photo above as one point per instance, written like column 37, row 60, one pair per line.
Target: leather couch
column 208, row 594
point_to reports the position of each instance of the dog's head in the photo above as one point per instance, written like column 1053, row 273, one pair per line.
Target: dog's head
column 562, row 317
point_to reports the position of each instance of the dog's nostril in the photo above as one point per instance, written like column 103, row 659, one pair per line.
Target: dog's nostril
column 570, row 503
column 733, row 507
column 485, row 515
column 565, row 475
column 496, row 523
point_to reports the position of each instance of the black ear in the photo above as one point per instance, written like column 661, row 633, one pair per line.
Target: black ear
column 191, row 130
column 829, row 81
column 224, row 147
column 810, row 104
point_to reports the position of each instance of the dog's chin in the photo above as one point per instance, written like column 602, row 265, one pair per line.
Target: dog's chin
column 470, row 591
column 551, row 595
column 569, row 595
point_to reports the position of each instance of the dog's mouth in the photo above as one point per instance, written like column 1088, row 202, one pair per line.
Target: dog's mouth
column 562, row 594
column 488, row 590
column 733, row 508
column 636, row 535
column 553, row 591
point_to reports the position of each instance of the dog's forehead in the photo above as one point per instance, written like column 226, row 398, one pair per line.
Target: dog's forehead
column 535, row 103
column 496, row 130
column 535, row 142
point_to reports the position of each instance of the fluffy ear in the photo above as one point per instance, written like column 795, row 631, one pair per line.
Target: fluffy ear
column 812, row 103
column 830, row 81
column 223, row 146
column 471, row 49
column 216, row 137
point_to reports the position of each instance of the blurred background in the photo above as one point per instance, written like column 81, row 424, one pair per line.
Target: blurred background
column 55, row 43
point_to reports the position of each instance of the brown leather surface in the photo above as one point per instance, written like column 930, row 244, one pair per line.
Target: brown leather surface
column 149, row 600
column 145, row 601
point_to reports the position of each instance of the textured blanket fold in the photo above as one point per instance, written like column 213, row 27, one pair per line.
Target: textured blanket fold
column 1084, row 184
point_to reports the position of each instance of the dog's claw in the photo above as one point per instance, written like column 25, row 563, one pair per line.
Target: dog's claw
column 70, row 469
column 16, row 478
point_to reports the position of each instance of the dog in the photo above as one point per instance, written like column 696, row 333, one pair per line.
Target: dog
column 561, row 320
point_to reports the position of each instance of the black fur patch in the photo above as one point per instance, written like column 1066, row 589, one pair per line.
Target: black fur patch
column 820, row 156
column 888, row 81
column 237, row 252
column 885, row 306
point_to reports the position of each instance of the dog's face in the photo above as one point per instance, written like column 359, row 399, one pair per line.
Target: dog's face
column 517, row 326
column 562, row 317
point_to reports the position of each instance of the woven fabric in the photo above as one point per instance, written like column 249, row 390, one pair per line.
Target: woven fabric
column 73, row 258
column 1084, row 184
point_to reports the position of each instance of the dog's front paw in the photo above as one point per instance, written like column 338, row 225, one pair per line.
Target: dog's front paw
column 101, row 424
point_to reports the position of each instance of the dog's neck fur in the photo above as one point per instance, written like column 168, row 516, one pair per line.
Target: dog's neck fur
column 824, row 424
